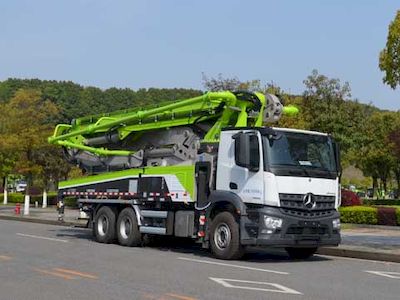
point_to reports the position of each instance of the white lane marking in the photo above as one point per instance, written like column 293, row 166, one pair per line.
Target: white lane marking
column 252, row 285
column 5, row 257
column 42, row 237
column 395, row 275
column 233, row 266
column 360, row 259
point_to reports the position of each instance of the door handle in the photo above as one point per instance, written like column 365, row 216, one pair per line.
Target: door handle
column 233, row 186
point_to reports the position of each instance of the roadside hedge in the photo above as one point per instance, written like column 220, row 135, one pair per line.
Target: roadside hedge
column 359, row 215
column 398, row 216
column 19, row 198
column 370, row 215
column 367, row 201
column 51, row 199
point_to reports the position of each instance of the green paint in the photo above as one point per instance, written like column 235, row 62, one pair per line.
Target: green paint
column 98, row 151
column 185, row 175
column 100, row 177
column 290, row 110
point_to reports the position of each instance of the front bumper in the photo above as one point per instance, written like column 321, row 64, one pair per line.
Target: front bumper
column 295, row 231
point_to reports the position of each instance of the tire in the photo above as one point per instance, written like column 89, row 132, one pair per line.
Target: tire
column 301, row 253
column 127, row 228
column 104, row 225
column 225, row 237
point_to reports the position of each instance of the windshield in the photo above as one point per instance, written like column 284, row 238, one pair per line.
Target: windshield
column 300, row 151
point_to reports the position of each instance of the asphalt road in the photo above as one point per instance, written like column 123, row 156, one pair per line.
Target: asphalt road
column 51, row 262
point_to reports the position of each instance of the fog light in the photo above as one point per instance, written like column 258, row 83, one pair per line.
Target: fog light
column 267, row 231
column 272, row 223
column 336, row 223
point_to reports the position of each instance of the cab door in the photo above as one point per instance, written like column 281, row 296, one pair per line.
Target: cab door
column 240, row 166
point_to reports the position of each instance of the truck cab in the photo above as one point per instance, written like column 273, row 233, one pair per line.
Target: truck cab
column 288, row 181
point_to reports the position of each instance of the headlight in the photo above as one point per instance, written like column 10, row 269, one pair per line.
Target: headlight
column 272, row 223
column 336, row 223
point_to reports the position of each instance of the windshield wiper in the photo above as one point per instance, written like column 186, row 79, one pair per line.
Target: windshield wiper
column 318, row 168
column 305, row 170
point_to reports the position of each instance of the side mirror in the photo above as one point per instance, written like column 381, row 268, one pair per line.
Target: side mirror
column 337, row 157
column 247, row 151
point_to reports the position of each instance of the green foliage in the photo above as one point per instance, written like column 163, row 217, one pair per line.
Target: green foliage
column 327, row 108
column 220, row 83
column 367, row 201
column 70, row 202
column 19, row 198
column 398, row 216
column 376, row 155
column 26, row 125
column 389, row 59
column 359, row 215
column 7, row 162
column 51, row 199
column 53, row 165
column 13, row 198
column 74, row 100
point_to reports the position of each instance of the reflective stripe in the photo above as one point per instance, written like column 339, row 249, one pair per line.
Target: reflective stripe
column 144, row 195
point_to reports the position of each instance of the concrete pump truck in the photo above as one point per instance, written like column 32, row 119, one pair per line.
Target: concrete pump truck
column 206, row 168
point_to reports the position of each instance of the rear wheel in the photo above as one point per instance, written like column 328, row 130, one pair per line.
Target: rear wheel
column 128, row 229
column 104, row 225
column 225, row 238
column 301, row 253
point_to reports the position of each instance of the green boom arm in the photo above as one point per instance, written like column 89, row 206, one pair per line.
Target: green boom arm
column 223, row 109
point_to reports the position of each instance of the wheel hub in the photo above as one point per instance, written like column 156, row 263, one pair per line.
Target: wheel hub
column 102, row 225
column 222, row 236
column 125, row 228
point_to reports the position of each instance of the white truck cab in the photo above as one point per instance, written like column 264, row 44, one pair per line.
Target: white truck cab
column 289, row 182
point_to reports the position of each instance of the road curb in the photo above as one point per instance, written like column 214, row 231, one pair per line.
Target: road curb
column 367, row 226
column 42, row 221
column 368, row 255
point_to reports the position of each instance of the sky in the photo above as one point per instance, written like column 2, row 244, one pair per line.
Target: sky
column 171, row 43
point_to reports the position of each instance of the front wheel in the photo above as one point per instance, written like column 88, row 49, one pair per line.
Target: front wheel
column 225, row 237
column 301, row 253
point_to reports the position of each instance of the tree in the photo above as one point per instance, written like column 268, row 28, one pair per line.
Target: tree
column 375, row 157
column 74, row 100
column 25, row 126
column 389, row 58
column 394, row 139
column 320, row 87
column 220, row 83
column 7, row 158
column 327, row 108
column 53, row 165
column 7, row 162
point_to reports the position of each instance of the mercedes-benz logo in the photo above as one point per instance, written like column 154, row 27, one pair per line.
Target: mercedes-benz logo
column 309, row 201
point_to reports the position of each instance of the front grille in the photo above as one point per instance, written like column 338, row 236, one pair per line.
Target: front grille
column 306, row 230
column 293, row 204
